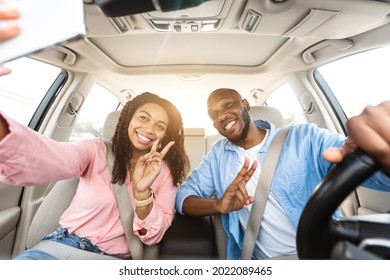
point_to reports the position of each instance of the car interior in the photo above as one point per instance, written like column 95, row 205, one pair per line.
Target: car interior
column 285, row 57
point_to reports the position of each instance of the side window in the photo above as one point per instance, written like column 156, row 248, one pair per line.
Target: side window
column 22, row 91
column 358, row 80
column 284, row 99
column 97, row 106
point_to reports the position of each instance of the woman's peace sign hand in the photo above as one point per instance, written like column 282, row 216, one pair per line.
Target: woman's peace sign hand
column 147, row 168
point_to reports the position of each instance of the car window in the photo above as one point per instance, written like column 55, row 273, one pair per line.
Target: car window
column 358, row 80
column 96, row 107
column 22, row 91
column 284, row 99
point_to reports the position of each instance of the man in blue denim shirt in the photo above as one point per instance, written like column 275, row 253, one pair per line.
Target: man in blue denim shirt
column 231, row 169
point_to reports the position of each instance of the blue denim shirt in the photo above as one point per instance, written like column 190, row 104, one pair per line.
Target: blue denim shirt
column 299, row 170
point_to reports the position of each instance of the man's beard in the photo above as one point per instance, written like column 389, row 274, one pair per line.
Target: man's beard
column 244, row 133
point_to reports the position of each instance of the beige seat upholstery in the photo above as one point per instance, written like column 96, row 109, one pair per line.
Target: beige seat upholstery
column 110, row 124
column 372, row 201
column 195, row 145
column 49, row 212
column 267, row 113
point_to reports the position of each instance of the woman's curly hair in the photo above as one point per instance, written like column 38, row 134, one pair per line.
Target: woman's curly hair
column 176, row 158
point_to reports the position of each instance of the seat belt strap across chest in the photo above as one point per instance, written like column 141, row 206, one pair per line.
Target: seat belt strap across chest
column 261, row 193
column 126, row 211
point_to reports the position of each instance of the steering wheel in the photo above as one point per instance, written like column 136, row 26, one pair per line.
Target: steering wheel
column 319, row 236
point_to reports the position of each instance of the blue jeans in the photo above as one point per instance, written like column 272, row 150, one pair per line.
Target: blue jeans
column 60, row 235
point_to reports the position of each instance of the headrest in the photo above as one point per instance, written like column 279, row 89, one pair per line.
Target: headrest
column 267, row 113
column 194, row 131
column 110, row 124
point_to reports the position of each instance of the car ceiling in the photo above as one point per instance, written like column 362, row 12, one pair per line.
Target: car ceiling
column 127, row 53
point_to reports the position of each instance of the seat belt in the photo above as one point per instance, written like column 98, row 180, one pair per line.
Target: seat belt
column 126, row 211
column 261, row 193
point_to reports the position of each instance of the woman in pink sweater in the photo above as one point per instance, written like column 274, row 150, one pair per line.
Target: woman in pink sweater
column 150, row 161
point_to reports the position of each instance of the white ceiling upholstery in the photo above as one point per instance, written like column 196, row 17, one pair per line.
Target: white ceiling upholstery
column 307, row 21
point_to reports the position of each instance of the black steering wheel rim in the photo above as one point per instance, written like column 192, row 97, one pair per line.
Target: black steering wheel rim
column 314, row 240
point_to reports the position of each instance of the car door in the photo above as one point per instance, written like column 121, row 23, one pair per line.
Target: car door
column 350, row 84
column 26, row 95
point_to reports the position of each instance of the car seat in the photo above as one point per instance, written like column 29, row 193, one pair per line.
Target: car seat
column 267, row 113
